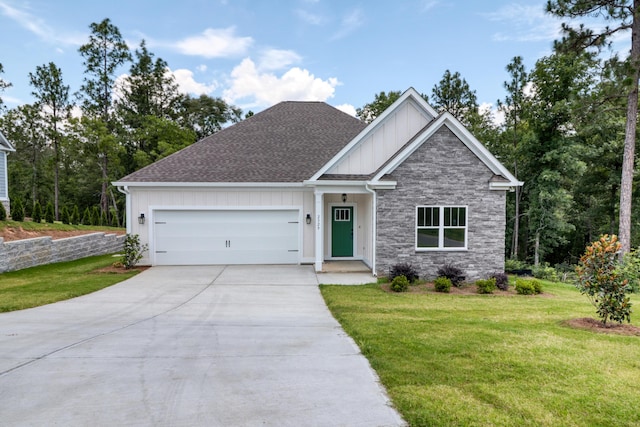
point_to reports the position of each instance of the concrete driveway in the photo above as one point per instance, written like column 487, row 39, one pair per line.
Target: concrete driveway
column 189, row 346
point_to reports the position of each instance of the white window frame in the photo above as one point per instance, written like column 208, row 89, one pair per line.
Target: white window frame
column 441, row 228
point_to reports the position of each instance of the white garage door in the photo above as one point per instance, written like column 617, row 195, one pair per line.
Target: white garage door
column 226, row 237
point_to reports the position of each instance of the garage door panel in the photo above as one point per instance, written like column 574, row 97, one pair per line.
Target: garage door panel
column 226, row 237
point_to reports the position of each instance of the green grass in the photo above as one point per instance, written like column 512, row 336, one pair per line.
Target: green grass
column 34, row 226
column 486, row 360
column 46, row 284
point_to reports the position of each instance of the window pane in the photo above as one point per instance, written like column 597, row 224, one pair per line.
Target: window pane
column 435, row 217
column 454, row 237
column 421, row 217
column 462, row 214
column 428, row 238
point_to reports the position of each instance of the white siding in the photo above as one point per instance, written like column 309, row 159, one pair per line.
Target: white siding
column 384, row 141
column 3, row 176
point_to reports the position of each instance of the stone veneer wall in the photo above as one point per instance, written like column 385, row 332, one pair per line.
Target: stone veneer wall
column 19, row 254
column 443, row 171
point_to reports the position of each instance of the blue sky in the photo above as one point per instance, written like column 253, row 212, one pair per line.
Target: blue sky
column 257, row 53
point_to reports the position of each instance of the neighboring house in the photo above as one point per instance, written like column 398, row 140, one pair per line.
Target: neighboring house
column 5, row 149
column 303, row 182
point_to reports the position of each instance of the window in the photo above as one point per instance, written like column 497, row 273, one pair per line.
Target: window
column 441, row 227
column 342, row 214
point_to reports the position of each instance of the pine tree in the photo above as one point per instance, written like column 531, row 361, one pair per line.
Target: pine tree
column 75, row 216
column 49, row 214
column 17, row 211
column 3, row 213
column 64, row 215
column 86, row 217
column 95, row 216
column 37, row 212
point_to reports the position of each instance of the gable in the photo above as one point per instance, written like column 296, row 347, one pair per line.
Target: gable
column 5, row 145
column 383, row 141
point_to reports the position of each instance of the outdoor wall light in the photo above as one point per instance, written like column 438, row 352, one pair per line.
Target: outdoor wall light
column 141, row 218
column 308, row 219
column 344, row 198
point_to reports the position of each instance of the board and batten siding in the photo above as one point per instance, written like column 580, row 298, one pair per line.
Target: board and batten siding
column 384, row 141
column 145, row 199
column 4, row 191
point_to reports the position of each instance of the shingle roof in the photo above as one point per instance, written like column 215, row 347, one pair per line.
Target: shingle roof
column 288, row 142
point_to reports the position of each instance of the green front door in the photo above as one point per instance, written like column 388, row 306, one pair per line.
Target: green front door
column 342, row 231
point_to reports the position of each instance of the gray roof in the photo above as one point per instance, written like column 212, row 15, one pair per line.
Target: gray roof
column 288, row 142
column 5, row 145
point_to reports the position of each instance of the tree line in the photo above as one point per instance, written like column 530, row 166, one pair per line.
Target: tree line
column 125, row 123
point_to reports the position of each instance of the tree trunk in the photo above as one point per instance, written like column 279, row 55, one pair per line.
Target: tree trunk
column 536, row 253
column 104, row 200
column 626, row 184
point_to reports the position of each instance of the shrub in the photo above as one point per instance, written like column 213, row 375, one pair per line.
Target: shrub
column 453, row 273
column 486, row 286
column 64, row 215
column 528, row 286
column 17, row 211
column 37, row 212
column 405, row 270
column 502, row 280
column 545, row 272
column 95, row 216
column 103, row 219
column 399, row 284
column 132, row 250
column 3, row 212
column 442, row 284
column 75, row 215
column 629, row 269
column 599, row 278
column 514, row 264
column 86, row 217
column 49, row 215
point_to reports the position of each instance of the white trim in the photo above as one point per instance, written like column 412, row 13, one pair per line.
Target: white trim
column 409, row 95
column 5, row 178
column 319, row 226
column 446, row 119
column 127, row 213
column 441, row 228
column 210, row 184
column 154, row 208
column 354, row 216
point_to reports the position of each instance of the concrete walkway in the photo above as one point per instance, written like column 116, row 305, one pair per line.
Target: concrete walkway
column 189, row 346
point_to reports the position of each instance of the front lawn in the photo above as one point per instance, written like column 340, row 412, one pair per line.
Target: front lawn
column 485, row 360
column 50, row 283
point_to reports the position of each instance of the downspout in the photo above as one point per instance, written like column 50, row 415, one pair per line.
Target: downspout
column 125, row 190
column 374, row 220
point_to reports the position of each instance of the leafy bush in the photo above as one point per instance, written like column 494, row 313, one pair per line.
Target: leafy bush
column 545, row 272
column 3, row 212
column 502, row 280
column 453, row 273
column 17, row 211
column 600, row 279
column 49, row 215
column 442, row 284
column 405, row 270
column 514, row 264
column 629, row 269
column 528, row 286
column 486, row 286
column 64, row 216
column 132, row 251
column 37, row 212
column 399, row 284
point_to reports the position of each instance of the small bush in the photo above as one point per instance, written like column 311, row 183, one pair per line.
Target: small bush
column 486, row 286
column 405, row 270
column 75, row 215
column 528, row 286
column 132, row 250
column 37, row 212
column 399, row 284
column 502, row 280
column 545, row 272
column 95, row 216
column 453, row 273
column 64, row 216
column 49, row 215
column 442, row 284
column 17, row 211
column 3, row 213
column 514, row 264
column 629, row 269
column 86, row 217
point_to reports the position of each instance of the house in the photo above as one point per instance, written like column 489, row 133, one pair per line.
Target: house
column 5, row 149
column 303, row 182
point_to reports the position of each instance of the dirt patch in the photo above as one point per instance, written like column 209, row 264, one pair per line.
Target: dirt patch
column 595, row 325
column 113, row 269
column 18, row 233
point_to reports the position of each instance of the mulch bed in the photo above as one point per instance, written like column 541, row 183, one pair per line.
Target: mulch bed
column 596, row 325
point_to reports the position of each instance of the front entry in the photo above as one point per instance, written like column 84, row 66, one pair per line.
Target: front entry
column 342, row 231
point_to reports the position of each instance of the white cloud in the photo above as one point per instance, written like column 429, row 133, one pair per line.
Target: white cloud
column 39, row 27
column 527, row 23
column 347, row 108
column 350, row 22
column 201, row 68
column 276, row 59
column 263, row 89
column 427, row 5
column 187, row 84
column 310, row 18
column 214, row 43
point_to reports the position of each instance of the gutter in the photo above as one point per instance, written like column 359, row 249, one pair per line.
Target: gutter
column 374, row 220
column 124, row 189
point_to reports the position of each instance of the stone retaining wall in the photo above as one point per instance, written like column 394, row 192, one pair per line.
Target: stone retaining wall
column 19, row 254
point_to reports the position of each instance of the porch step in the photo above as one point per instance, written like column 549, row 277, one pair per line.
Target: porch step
column 345, row 267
